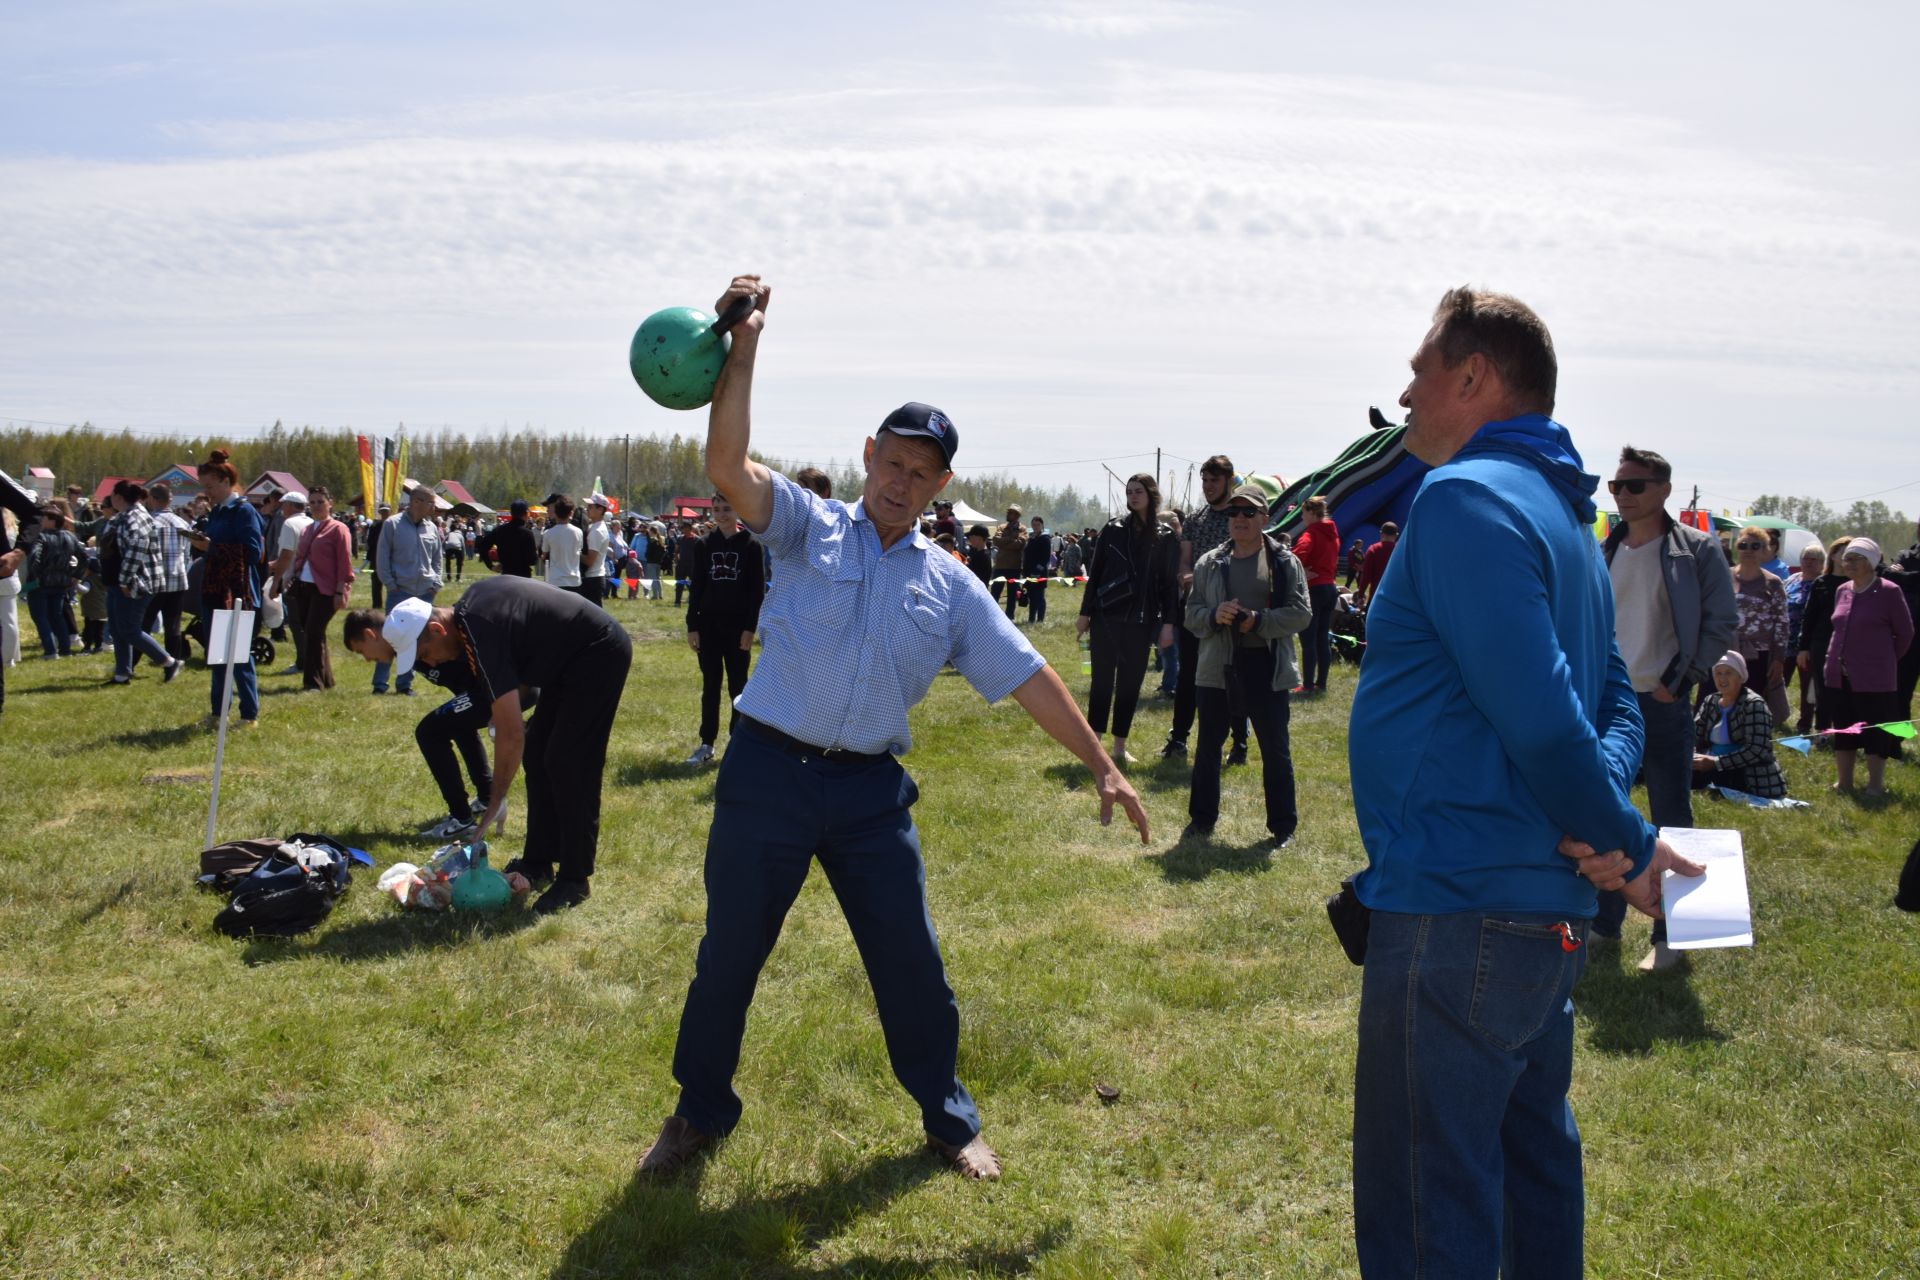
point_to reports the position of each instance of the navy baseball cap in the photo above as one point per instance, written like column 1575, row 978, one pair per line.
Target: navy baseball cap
column 916, row 419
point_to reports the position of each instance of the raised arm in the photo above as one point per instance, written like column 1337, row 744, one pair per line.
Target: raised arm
column 745, row 483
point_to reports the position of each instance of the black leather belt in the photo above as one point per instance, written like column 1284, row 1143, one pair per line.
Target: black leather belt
column 792, row 745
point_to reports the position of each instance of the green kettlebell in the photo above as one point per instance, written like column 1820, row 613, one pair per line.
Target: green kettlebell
column 677, row 353
column 481, row 888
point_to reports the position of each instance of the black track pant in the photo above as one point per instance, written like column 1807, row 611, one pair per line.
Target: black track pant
column 455, row 725
column 1119, row 649
column 720, row 650
column 566, row 754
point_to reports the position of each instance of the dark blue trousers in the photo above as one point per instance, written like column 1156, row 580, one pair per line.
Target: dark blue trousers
column 774, row 813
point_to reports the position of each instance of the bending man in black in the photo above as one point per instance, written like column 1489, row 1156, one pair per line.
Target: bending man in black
column 511, row 633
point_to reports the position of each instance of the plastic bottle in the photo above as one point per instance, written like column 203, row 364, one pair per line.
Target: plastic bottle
column 454, row 860
column 1086, row 656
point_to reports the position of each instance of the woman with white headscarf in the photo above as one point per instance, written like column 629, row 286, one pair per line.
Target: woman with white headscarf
column 1872, row 629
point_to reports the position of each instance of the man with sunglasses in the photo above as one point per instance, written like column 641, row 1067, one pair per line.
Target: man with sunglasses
column 1673, row 616
column 1205, row 531
column 1249, row 600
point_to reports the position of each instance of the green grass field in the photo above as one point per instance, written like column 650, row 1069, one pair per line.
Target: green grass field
column 431, row 1096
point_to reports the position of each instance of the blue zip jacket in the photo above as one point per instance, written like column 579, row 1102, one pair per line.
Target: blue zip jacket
column 1494, row 714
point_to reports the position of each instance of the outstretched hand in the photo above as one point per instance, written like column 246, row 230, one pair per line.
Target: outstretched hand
column 1114, row 788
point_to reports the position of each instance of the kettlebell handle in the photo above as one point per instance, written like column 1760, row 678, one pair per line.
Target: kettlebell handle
column 733, row 315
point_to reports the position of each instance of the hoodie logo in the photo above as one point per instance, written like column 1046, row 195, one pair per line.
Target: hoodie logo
column 724, row 567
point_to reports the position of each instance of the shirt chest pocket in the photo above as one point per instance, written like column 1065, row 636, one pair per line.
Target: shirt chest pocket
column 922, row 638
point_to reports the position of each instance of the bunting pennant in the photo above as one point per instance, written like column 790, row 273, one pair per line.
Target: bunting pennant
column 1802, row 741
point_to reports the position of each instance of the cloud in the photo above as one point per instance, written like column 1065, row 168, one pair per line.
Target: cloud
column 1119, row 19
column 1125, row 256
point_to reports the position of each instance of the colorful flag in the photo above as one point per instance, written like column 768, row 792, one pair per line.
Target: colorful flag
column 367, row 499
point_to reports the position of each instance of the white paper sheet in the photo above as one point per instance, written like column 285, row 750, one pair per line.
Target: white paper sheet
column 1710, row 910
column 223, row 620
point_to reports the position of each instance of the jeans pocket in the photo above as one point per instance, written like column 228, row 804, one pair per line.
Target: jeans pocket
column 1518, row 982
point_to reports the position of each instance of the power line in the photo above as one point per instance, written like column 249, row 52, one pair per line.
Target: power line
column 1064, row 462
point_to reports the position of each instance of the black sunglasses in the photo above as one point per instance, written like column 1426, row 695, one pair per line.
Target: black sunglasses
column 1750, row 544
column 1629, row 486
column 1245, row 512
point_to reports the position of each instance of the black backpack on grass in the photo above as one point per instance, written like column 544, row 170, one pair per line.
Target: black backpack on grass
column 278, row 896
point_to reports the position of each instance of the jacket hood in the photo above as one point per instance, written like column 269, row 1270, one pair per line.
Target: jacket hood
column 1549, row 448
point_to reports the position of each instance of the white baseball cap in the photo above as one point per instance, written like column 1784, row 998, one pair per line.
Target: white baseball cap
column 405, row 622
column 600, row 500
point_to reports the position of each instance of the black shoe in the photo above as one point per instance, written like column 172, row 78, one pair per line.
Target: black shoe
column 1196, row 831
column 1282, row 841
column 175, row 669
column 537, row 876
column 1174, row 750
column 405, row 693
column 564, row 894
column 379, row 689
column 1238, row 755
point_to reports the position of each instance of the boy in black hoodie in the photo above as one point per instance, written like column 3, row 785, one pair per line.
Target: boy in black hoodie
column 726, row 581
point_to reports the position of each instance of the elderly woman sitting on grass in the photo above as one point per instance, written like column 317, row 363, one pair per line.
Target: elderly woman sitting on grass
column 1733, row 736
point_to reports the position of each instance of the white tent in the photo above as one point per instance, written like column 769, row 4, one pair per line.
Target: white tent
column 966, row 517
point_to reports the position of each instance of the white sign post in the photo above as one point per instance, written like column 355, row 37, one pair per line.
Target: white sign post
column 230, row 636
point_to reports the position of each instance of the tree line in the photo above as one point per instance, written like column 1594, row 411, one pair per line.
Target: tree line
column 1891, row 529
column 495, row 467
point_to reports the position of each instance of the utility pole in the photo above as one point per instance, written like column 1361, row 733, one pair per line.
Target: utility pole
column 1157, row 477
column 626, row 483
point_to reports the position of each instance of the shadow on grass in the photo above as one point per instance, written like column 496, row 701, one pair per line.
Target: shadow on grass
column 660, row 1228
column 1629, row 1012
column 638, row 773
column 1151, row 776
column 390, row 935
column 105, row 903
column 1197, row 858
column 145, row 739
column 58, row 686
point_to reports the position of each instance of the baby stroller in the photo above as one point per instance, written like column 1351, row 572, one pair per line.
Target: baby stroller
column 194, row 626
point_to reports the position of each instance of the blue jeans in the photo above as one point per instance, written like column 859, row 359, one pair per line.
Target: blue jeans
column 1466, row 1159
column 774, row 813
column 127, row 620
column 48, row 609
column 381, row 670
column 1666, row 763
column 1316, row 644
column 246, row 685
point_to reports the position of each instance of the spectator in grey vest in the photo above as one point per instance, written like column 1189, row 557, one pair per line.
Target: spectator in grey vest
column 408, row 562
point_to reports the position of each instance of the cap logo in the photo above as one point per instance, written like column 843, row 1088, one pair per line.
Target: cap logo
column 937, row 423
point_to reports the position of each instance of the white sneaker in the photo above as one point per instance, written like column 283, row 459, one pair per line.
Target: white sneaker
column 700, row 755
column 447, row 828
column 1661, row 959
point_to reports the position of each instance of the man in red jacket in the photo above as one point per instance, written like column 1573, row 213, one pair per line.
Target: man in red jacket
column 1375, row 563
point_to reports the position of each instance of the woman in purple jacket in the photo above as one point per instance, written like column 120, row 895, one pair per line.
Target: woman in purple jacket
column 1872, row 628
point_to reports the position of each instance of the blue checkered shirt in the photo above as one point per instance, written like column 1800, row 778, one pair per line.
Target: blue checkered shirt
column 853, row 636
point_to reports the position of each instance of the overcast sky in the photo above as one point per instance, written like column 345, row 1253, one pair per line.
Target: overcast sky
column 1084, row 230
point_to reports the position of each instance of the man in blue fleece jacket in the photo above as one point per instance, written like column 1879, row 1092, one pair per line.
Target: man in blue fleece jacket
column 1494, row 736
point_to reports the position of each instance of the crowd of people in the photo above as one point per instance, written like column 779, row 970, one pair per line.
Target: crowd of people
column 1498, row 726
